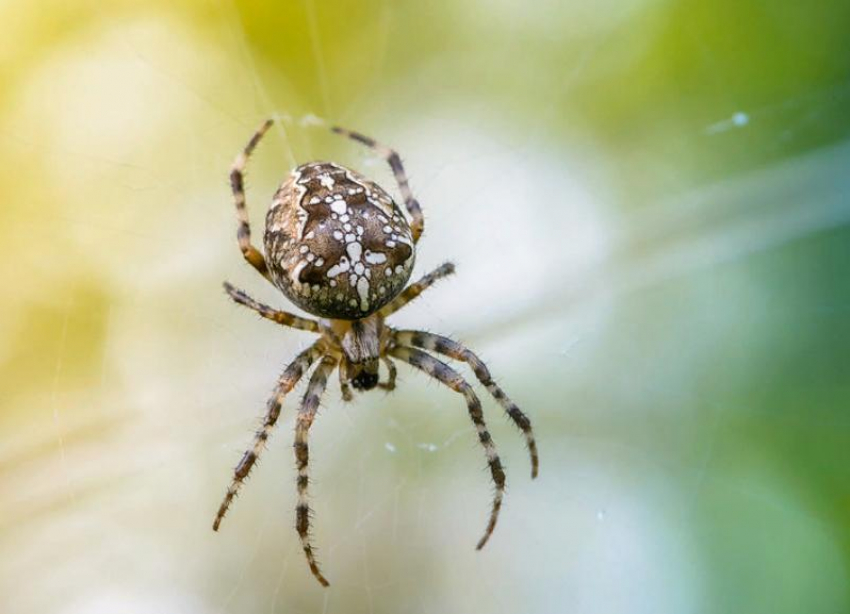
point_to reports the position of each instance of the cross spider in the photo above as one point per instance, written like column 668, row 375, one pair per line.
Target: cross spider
column 339, row 247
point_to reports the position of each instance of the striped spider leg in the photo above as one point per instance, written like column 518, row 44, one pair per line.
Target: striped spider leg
column 306, row 415
column 252, row 255
column 389, row 385
column 287, row 381
column 446, row 375
column 283, row 318
column 392, row 158
column 415, row 289
column 453, row 349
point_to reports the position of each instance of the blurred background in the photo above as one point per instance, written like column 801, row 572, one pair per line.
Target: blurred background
column 649, row 206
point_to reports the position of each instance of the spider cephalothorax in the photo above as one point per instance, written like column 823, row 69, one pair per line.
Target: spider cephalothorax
column 340, row 248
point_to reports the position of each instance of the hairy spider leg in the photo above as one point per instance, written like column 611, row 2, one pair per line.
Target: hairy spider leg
column 345, row 387
column 285, row 384
column 415, row 289
column 283, row 318
column 237, row 185
column 453, row 349
column 306, row 415
column 448, row 376
column 389, row 385
column 391, row 156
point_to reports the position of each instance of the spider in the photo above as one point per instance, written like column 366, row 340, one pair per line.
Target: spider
column 340, row 248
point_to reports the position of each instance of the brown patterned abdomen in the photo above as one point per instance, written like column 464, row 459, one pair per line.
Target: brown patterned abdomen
column 336, row 243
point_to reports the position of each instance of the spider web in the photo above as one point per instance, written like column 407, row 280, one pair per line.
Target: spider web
column 652, row 329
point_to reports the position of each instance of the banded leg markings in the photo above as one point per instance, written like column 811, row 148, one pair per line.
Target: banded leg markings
column 392, row 373
column 237, row 185
column 453, row 349
column 415, row 289
column 283, row 318
column 287, row 381
column 392, row 158
column 448, row 376
column 306, row 415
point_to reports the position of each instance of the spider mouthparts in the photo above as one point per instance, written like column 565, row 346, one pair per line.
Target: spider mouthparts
column 365, row 380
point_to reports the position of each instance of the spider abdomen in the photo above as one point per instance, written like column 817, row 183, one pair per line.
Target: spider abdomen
column 336, row 243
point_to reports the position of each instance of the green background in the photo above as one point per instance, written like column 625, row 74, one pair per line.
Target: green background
column 649, row 206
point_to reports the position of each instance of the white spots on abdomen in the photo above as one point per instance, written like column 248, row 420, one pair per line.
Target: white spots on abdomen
column 339, row 268
column 357, row 265
column 358, row 271
column 354, row 250
column 363, row 291
column 375, row 257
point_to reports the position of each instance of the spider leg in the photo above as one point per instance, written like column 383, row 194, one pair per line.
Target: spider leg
column 448, row 376
column 344, row 386
column 281, row 317
column 237, row 184
column 285, row 383
column 415, row 289
column 393, row 372
column 453, row 349
column 393, row 159
column 306, row 415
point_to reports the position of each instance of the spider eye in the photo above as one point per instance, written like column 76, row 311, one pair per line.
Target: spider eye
column 365, row 380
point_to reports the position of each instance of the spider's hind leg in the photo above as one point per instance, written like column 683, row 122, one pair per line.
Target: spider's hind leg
column 237, row 185
column 393, row 159
column 448, row 376
column 453, row 349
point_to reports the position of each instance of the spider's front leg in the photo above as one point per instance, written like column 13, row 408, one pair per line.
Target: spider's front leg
column 448, row 376
column 345, row 386
column 306, row 415
column 453, row 349
column 285, row 384
column 389, row 385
